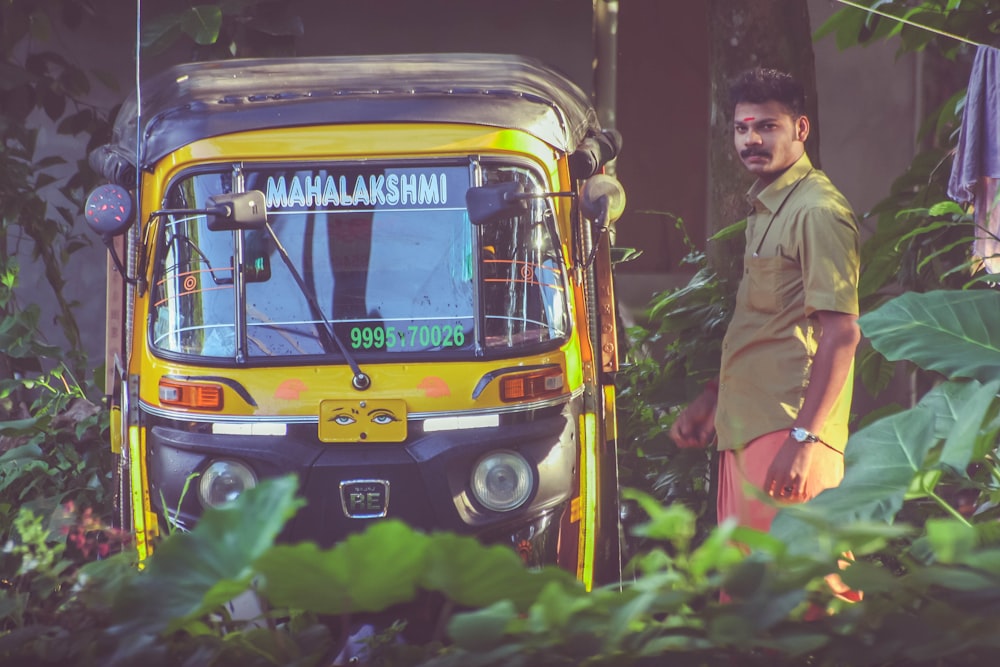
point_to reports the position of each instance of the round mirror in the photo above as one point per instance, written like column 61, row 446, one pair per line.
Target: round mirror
column 602, row 195
column 109, row 210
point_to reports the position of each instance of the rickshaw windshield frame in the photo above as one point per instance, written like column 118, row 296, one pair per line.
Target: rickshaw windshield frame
column 384, row 248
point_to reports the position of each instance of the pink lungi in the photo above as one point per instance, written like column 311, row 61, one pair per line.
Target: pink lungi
column 750, row 465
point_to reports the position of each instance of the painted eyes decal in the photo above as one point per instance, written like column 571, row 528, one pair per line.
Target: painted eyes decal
column 383, row 417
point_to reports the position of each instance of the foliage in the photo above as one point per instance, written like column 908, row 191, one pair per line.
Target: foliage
column 234, row 28
column 41, row 195
column 930, row 572
column 667, row 362
column 920, row 241
column 932, row 580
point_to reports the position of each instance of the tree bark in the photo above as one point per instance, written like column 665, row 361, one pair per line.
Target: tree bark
column 743, row 35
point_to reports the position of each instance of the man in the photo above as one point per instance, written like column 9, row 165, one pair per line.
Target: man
column 781, row 405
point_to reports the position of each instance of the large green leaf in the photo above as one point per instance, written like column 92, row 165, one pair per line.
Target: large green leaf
column 881, row 462
column 886, row 460
column 974, row 404
column 369, row 571
column 192, row 573
column 956, row 333
column 475, row 575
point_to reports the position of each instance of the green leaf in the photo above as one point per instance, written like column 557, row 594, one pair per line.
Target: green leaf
column 719, row 553
column 202, row 23
column 192, row 573
column 946, row 208
column 625, row 614
column 974, row 407
column 950, row 577
column 556, row 605
column 158, row 33
column 951, row 540
column 483, row 629
column 729, row 231
column 956, row 333
column 875, row 371
column 869, row 577
column 370, row 571
column 17, row 427
column 881, row 462
column 476, row 575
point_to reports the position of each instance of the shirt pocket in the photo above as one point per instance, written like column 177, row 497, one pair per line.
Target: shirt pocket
column 768, row 282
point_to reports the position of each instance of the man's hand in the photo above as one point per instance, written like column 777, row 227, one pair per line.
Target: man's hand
column 786, row 477
column 695, row 425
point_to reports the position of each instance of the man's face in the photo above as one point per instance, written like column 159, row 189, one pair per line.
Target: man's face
column 767, row 138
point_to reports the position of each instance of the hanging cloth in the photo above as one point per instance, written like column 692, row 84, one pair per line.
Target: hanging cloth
column 975, row 172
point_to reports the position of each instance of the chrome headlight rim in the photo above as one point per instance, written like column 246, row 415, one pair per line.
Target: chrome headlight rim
column 494, row 461
column 218, row 468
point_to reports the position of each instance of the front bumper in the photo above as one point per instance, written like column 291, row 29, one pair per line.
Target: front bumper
column 425, row 479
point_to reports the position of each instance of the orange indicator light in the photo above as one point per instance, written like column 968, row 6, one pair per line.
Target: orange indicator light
column 528, row 386
column 190, row 394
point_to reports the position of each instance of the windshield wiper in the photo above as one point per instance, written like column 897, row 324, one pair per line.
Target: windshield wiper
column 360, row 381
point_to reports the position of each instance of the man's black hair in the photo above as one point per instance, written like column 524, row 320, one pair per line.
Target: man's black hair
column 760, row 85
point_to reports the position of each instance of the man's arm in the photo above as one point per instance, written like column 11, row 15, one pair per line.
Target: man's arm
column 838, row 340
column 695, row 425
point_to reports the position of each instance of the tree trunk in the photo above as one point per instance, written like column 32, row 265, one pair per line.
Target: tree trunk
column 742, row 35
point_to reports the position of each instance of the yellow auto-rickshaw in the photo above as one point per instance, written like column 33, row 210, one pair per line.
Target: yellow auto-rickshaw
column 387, row 275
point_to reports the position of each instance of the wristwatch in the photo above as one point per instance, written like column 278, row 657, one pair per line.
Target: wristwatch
column 799, row 434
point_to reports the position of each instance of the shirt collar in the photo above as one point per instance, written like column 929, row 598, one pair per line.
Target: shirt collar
column 771, row 196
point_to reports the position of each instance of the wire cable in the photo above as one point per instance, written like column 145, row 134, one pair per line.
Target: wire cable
column 900, row 19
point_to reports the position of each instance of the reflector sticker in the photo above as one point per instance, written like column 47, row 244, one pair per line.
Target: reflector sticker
column 250, row 429
column 457, row 423
column 434, row 387
column 290, row 389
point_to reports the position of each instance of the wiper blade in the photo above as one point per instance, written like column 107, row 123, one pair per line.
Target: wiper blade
column 360, row 381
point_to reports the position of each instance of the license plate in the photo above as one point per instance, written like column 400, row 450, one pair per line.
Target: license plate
column 379, row 420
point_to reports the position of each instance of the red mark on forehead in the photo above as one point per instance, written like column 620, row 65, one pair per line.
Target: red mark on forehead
column 748, row 119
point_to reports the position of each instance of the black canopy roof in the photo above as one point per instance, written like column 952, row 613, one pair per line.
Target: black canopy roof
column 198, row 100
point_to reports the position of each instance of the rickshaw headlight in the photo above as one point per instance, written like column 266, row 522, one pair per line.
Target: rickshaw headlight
column 502, row 481
column 223, row 482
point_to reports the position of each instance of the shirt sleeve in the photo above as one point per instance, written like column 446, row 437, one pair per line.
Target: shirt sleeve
column 829, row 253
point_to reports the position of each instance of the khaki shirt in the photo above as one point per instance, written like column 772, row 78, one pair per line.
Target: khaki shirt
column 802, row 256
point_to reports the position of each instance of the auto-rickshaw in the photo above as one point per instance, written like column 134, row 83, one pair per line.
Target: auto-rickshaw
column 387, row 275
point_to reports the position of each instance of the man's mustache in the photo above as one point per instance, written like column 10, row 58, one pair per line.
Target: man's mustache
column 753, row 152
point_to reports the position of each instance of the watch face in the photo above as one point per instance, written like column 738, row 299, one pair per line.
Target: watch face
column 802, row 435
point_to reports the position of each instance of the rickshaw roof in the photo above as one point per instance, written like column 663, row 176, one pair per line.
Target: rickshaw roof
column 200, row 100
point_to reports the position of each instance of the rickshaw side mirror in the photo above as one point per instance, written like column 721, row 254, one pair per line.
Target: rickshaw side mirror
column 489, row 203
column 237, row 210
column 602, row 199
column 109, row 210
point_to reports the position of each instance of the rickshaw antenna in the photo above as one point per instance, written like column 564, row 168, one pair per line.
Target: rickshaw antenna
column 138, row 88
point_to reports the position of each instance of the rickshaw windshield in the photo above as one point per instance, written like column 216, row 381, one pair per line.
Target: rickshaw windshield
column 384, row 254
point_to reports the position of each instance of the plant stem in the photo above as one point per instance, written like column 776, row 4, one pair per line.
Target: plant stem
column 947, row 506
